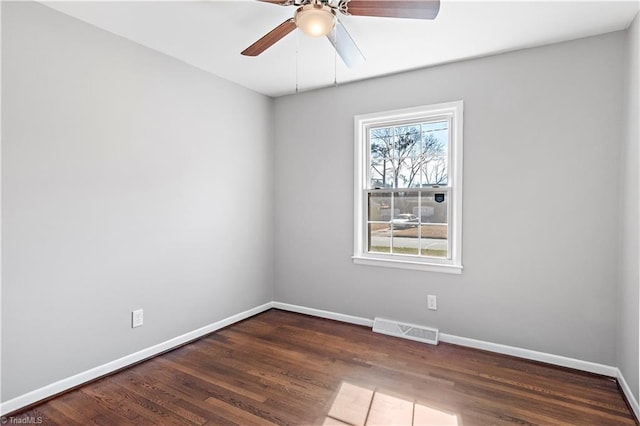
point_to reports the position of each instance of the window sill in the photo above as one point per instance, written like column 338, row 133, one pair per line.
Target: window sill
column 407, row 264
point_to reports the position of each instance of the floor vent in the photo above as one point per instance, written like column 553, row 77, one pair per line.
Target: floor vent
column 407, row 331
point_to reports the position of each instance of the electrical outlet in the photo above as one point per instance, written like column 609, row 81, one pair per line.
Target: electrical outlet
column 432, row 302
column 137, row 318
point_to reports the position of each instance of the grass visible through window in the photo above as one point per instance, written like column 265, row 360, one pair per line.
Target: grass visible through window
column 409, row 250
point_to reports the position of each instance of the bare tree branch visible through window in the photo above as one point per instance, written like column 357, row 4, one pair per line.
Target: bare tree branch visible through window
column 407, row 157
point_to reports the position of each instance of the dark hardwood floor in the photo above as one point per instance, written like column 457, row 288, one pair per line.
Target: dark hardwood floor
column 290, row 369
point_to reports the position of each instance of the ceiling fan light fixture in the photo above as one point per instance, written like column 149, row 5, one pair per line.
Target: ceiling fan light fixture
column 315, row 19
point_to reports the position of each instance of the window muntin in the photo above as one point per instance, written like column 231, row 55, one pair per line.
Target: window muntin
column 408, row 187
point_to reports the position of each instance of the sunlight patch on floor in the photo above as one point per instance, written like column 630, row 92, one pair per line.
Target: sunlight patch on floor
column 359, row 406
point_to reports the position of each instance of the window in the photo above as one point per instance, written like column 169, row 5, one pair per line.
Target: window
column 408, row 188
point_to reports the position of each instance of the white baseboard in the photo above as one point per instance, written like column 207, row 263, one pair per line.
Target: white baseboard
column 562, row 361
column 627, row 392
column 89, row 375
column 529, row 354
column 558, row 360
column 323, row 314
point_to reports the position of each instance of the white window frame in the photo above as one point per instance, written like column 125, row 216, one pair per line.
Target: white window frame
column 454, row 112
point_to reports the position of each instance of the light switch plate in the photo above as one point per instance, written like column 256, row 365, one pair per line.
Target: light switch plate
column 137, row 318
column 432, row 302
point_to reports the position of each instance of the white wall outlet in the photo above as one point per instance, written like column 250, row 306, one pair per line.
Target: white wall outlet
column 432, row 302
column 137, row 318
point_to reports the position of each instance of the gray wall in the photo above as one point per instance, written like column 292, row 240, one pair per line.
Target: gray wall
column 627, row 331
column 543, row 131
column 121, row 190
column 129, row 180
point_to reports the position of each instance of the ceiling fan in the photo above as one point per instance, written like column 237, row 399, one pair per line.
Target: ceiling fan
column 318, row 18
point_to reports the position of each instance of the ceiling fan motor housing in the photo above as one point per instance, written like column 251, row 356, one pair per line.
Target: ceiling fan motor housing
column 315, row 19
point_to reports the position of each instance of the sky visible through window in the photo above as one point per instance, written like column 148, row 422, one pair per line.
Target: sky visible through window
column 409, row 156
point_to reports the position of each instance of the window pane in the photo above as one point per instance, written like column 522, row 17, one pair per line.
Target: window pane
column 405, row 223
column 381, row 142
column 434, row 171
column 379, row 206
column 381, row 173
column 379, row 238
column 406, row 141
column 406, row 239
column 405, row 203
column 406, row 154
column 434, row 241
column 435, row 142
column 434, row 224
column 409, row 173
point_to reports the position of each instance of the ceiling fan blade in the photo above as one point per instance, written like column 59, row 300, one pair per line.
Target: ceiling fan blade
column 279, row 2
column 270, row 38
column 345, row 46
column 414, row 9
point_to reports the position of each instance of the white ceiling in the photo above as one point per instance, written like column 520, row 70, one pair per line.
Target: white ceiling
column 211, row 34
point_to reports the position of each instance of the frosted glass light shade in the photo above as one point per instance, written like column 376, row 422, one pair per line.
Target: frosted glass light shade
column 315, row 19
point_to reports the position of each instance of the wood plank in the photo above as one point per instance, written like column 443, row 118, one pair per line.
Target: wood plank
column 237, row 414
column 284, row 368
